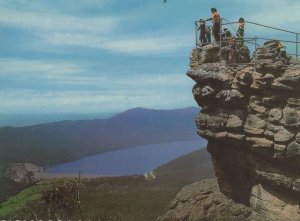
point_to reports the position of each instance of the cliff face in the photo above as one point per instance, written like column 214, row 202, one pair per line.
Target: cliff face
column 251, row 119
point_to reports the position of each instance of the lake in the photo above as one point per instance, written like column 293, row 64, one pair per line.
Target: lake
column 130, row 161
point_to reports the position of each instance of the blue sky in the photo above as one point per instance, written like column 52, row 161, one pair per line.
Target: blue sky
column 111, row 55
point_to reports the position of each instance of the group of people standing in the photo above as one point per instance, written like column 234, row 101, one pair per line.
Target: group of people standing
column 218, row 34
column 222, row 35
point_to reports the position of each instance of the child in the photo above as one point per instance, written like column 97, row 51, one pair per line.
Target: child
column 202, row 28
column 240, row 32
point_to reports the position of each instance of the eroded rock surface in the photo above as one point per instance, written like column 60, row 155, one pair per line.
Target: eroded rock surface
column 204, row 201
column 250, row 115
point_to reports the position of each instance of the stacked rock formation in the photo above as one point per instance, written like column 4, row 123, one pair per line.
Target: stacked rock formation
column 250, row 115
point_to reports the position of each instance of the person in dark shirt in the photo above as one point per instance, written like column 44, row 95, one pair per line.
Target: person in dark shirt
column 226, row 35
column 202, row 29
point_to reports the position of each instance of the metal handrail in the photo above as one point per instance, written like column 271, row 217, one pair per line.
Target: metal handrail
column 259, row 38
column 272, row 39
column 270, row 27
column 266, row 39
column 266, row 26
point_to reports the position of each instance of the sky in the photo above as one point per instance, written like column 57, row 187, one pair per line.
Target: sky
column 88, row 56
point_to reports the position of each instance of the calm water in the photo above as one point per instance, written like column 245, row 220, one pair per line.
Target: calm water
column 136, row 160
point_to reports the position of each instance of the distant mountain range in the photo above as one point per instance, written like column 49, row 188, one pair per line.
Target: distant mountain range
column 29, row 119
column 52, row 143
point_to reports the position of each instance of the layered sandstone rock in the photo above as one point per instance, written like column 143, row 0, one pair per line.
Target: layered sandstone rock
column 250, row 115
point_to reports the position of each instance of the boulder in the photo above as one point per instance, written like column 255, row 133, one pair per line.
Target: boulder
column 293, row 150
column 254, row 125
column 290, row 80
column 209, row 53
column 203, row 201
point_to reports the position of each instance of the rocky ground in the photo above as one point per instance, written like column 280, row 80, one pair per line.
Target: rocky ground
column 204, row 201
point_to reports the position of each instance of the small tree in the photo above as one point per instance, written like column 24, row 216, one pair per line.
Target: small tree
column 61, row 199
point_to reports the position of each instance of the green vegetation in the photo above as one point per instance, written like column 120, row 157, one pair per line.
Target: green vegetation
column 131, row 198
column 15, row 203
column 18, row 201
column 2, row 189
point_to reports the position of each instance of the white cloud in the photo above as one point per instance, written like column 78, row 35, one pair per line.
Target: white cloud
column 75, row 39
column 40, row 67
column 133, row 44
column 140, row 45
column 45, row 71
column 59, row 72
column 13, row 101
column 53, row 28
column 278, row 13
column 58, row 22
column 92, row 93
column 158, row 80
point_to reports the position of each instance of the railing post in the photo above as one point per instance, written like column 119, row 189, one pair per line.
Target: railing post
column 220, row 40
column 255, row 57
column 297, row 37
column 196, row 30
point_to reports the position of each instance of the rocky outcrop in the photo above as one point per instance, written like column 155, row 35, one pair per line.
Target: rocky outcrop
column 250, row 115
column 204, row 201
column 22, row 172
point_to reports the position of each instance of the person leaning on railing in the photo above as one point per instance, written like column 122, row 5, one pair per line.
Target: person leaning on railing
column 216, row 19
column 226, row 35
column 241, row 31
